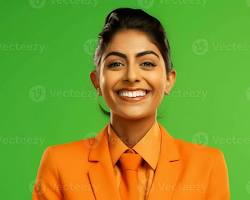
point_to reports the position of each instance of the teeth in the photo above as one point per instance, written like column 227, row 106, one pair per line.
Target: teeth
column 132, row 93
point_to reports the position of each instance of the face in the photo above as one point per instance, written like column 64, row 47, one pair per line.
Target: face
column 132, row 77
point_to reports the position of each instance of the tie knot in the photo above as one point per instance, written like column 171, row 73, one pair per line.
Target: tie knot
column 130, row 161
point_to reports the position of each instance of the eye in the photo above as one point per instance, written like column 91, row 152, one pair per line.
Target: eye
column 115, row 64
column 148, row 64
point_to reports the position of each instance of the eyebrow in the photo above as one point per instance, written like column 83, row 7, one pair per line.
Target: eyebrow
column 140, row 54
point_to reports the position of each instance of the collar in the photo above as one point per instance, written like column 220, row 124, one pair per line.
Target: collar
column 148, row 147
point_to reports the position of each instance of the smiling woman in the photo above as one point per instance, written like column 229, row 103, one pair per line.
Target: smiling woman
column 131, row 68
column 133, row 156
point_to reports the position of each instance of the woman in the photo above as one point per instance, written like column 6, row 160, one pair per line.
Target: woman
column 133, row 156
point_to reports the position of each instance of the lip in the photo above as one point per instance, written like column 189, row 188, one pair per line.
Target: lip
column 133, row 99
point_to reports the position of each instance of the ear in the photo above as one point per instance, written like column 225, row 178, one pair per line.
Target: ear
column 171, row 77
column 95, row 80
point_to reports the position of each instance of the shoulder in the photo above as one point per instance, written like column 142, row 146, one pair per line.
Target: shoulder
column 74, row 146
column 198, row 153
column 189, row 151
column 75, row 151
column 190, row 148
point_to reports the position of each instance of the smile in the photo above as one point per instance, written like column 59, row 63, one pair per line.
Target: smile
column 135, row 95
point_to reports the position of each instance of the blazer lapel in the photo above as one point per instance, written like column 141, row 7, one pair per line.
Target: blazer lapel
column 167, row 170
column 101, row 173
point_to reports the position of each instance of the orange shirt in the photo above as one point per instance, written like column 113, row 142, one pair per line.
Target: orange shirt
column 148, row 148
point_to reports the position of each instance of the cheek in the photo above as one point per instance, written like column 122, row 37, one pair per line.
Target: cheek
column 107, row 83
column 105, row 80
column 158, row 81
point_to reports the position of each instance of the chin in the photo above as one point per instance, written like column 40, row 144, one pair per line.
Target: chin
column 133, row 114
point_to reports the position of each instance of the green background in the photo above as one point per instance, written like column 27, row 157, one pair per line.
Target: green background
column 47, row 98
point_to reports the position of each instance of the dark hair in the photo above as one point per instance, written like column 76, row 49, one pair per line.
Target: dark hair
column 129, row 18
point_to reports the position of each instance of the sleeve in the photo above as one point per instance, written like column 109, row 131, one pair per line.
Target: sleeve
column 47, row 186
column 218, row 186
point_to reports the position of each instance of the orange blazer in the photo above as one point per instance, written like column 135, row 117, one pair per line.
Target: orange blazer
column 83, row 170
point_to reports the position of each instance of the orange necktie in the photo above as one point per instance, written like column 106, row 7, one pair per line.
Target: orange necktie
column 129, row 164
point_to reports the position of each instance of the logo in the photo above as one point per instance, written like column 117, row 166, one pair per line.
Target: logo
column 248, row 3
column 248, row 93
column 37, row 93
column 145, row 3
column 248, row 187
column 200, row 138
column 37, row 3
column 200, row 46
column 89, row 46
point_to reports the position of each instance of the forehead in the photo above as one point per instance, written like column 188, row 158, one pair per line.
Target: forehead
column 131, row 41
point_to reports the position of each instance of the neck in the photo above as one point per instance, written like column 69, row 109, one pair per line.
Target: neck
column 131, row 131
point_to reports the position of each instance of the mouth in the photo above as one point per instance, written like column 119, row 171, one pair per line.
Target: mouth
column 134, row 95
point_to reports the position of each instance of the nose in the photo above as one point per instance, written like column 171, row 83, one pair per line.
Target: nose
column 132, row 74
